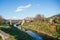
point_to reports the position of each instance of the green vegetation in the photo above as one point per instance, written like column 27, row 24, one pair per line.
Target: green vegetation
column 47, row 28
column 49, row 25
column 0, row 38
column 14, row 33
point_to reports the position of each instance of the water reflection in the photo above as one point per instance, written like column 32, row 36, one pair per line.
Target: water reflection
column 30, row 33
column 34, row 35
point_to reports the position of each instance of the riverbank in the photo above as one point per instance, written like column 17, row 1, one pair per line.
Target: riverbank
column 44, row 35
column 29, row 32
column 15, row 34
column 47, row 31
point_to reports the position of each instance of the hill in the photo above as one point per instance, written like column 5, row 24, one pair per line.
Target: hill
column 48, row 26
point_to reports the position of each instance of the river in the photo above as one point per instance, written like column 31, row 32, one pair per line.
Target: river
column 32, row 34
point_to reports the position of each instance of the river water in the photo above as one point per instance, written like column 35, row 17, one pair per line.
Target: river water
column 32, row 34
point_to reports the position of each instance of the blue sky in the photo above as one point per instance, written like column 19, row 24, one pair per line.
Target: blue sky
column 19, row 9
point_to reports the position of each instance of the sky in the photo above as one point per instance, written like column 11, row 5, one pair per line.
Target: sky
column 19, row 9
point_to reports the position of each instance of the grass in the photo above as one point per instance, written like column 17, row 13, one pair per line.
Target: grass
column 45, row 27
column 0, row 38
column 15, row 34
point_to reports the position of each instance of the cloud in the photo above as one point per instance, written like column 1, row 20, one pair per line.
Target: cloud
column 27, row 6
column 21, row 8
column 13, row 18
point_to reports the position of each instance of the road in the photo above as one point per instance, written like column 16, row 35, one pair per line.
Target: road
column 4, row 35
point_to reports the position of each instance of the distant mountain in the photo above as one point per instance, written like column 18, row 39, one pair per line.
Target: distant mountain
column 58, row 15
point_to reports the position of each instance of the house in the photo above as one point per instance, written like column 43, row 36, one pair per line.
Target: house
column 28, row 19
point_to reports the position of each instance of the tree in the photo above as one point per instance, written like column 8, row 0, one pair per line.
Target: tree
column 57, row 20
column 39, row 18
column 57, row 23
column 58, row 31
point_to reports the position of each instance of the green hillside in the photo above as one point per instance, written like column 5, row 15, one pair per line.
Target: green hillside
column 49, row 26
column 14, row 33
